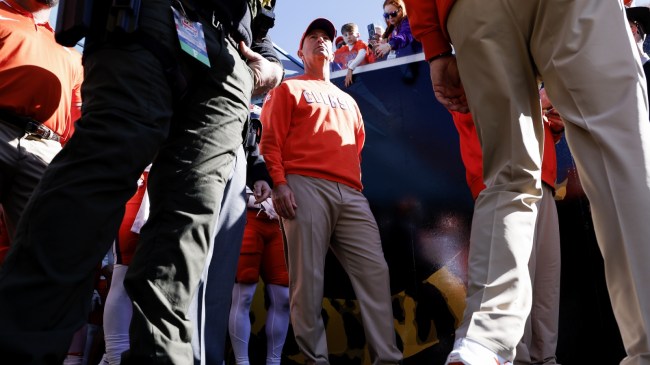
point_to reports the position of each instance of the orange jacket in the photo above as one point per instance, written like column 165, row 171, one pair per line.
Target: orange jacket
column 312, row 128
column 429, row 24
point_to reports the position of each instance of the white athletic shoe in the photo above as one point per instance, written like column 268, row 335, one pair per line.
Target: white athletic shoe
column 468, row 352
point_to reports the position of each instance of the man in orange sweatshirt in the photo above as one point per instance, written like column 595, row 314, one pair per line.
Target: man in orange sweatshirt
column 312, row 141
column 584, row 52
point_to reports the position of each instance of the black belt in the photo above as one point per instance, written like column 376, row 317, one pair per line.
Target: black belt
column 29, row 125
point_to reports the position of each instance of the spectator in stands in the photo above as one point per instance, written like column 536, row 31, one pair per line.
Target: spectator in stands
column 340, row 42
column 399, row 40
column 354, row 53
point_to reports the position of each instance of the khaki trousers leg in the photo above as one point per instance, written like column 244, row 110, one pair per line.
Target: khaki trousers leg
column 329, row 211
column 539, row 342
column 584, row 53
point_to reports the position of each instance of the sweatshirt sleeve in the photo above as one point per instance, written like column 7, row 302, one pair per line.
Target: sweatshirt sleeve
column 426, row 27
column 276, row 120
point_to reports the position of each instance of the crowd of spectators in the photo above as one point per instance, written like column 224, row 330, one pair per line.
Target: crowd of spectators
column 383, row 43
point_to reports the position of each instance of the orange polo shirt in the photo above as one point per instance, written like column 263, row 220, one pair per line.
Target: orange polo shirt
column 38, row 77
column 312, row 128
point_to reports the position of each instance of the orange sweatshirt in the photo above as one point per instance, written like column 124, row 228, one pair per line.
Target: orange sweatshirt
column 312, row 128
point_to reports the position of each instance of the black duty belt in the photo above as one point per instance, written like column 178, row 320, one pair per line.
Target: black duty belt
column 29, row 125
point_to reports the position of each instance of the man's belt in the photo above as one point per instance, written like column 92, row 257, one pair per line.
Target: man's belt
column 29, row 125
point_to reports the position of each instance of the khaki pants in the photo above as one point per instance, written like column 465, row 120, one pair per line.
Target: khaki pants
column 585, row 55
column 336, row 216
column 539, row 342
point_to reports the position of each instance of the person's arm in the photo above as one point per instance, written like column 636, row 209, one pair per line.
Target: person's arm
column 425, row 26
column 361, row 56
column 267, row 68
column 75, row 102
column 445, row 79
column 360, row 134
column 261, row 191
column 267, row 73
column 447, row 85
column 276, row 121
column 403, row 37
column 257, row 176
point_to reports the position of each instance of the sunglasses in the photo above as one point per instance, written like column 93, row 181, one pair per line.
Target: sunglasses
column 391, row 15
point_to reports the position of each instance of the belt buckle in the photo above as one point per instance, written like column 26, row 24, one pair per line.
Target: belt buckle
column 40, row 131
column 32, row 128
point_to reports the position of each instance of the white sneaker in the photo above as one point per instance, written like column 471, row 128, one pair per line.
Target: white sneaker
column 468, row 352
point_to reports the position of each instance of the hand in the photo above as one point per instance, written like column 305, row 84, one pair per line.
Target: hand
column 382, row 49
column 546, row 102
column 348, row 78
column 447, row 85
column 261, row 191
column 284, row 202
column 555, row 123
column 267, row 74
column 551, row 116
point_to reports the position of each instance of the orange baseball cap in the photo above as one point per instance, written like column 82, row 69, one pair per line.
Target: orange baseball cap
column 319, row 23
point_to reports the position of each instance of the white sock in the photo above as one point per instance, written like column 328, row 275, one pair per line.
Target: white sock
column 118, row 311
column 239, row 322
column 277, row 322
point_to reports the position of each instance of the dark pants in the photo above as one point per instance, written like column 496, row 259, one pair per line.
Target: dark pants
column 72, row 218
column 211, row 305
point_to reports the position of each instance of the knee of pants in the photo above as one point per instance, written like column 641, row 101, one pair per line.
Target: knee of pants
column 278, row 277
column 248, row 276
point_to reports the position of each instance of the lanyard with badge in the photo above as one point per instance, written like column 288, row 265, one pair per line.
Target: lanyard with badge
column 190, row 35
